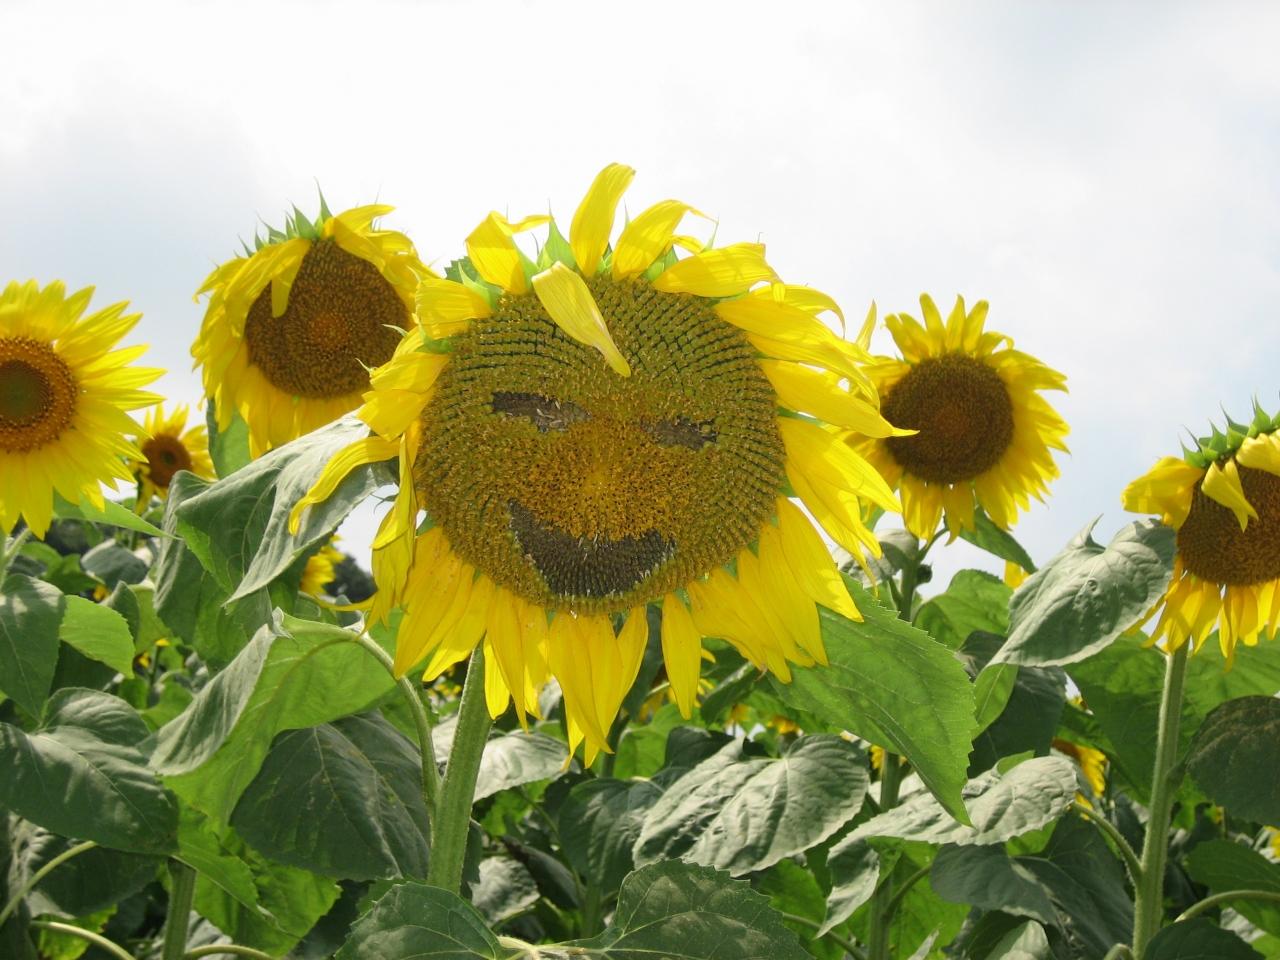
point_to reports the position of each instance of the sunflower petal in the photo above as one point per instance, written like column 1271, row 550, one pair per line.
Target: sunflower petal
column 648, row 237
column 682, row 652
column 593, row 220
column 1222, row 484
column 721, row 272
column 569, row 302
column 368, row 450
column 494, row 254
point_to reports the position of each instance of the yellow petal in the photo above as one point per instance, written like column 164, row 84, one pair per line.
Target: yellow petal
column 571, row 660
column 722, row 272
column 863, row 338
column 456, row 644
column 804, row 389
column 784, row 594
column 496, row 694
column 504, row 648
column 1165, row 489
column 494, row 254
column 682, row 652
column 1261, row 453
column 593, row 220
column 810, row 561
column 1222, row 484
column 368, row 450
column 822, row 455
column 648, row 237
column 568, row 301
column 448, row 307
column 806, row 298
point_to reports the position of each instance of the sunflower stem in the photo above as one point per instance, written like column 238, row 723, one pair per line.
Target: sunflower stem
column 1148, row 913
column 14, row 544
column 182, row 891
column 453, row 813
column 40, row 874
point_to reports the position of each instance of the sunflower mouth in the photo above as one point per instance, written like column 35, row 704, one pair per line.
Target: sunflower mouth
column 165, row 457
column 590, row 568
column 37, row 395
column 1212, row 546
column 962, row 411
column 339, row 321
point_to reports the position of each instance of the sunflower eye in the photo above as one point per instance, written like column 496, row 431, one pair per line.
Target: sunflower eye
column 682, row 432
column 543, row 412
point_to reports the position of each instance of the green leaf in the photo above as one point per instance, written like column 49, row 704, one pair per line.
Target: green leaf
column 794, row 891
column 683, row 912
column 974, row 601
column 1223, row 866
column 1085, row 597
column 112, row 564
column 991, row 691
column 1198, row 939
column 228, row 449
column 293, row 674
column 413, row 921
column 222, row 874
column 600, row 821
column 239, row 526
column 505, row 889
column 643, row 745
column 112, row 513
column 514, row 759
column 30, row 611
column 743, row 815
column 999, row 543
column 99, row 633
column 1233, row 758
column 81, row 774
column 988, row 878
column 854, row 866
column 1002, row 807
column 343, row 799
column 1026, row 942
column 89, row 882
column 895, row 686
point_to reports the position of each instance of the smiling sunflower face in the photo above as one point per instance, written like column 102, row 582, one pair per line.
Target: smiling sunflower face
column 610, row 427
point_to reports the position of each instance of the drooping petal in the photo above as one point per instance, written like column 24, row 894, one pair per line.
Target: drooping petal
column 810, row 561
column 494, row 254
column 1261, row 453
column 368, row 450
column 446, row 307
column 1222, row 484
column 648, row 237
column 1165, row 489
column 593, row 220
column 720, row 272
column 569, row 302
column 804, row 389
column 682, row 652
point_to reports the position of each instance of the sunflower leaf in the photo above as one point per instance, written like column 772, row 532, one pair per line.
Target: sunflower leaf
column 112, row 513
column 1196, row 940
column 999, row 543
column 30, row 611
column 1232, row 758
column 413, row 920
column 98, row 632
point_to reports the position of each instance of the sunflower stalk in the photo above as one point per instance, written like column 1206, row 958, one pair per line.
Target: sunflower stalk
column 1149, row 894
column 182, row 891
column 453, row 813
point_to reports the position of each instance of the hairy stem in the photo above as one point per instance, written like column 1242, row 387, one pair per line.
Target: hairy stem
column 97, row 939
column 1218, row 899
column 40, row 874
column 453, row 818
column 848, row 946
column 1126, row 852
column 182, row 890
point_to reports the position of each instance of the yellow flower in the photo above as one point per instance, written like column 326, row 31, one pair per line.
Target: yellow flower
column 607, row 428
column 319, row 571
column 291, row 330
column 985, row 434
column 1224, row 501
column 167, row 448
column 1092, row 763
column 63, row 396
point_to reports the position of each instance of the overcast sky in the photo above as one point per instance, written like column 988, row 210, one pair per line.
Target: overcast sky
column 1106, row 175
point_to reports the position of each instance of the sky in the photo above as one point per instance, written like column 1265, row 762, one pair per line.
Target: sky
column 1105, row 175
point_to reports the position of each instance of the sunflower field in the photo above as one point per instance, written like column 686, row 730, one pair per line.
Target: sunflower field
column 645, row 659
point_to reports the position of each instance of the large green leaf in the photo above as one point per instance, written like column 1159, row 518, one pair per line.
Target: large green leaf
column 505, row 889
column 514, row 759
column 1198, row 940
column 1000, row 543
column 895, row 686
column 81, row 774
column 600, row 821
column 90, row 881
column 974, row 601
column 1223, row 866
column 854, row 866
column 112, row 513
column 1032, row 794
column 30, row 611
column 679, row 911
column 1025, row 942
column 343, row 799
column 1085, row 597
column 293, row 674
column 238, row 526
column 988, row 878
column 112, row 564
column 99, row 633
column 743, row 815
column 228, row 449
column 1233, row 758
column 413, row 921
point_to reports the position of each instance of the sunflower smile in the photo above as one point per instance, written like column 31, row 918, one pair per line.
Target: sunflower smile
column 590, row 568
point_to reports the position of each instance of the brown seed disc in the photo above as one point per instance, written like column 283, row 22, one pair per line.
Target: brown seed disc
column 1214, row 548
column 964, row 415
column 165, row 456
column 337, row 322
column 579, row 489
column 37, row 394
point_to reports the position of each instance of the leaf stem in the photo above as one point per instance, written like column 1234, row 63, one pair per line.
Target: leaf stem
column 848, row 946
column 1148, row 911
column 182, row 891
column 226, row 949
column 1218, row 899
column 1120, row 951
column 97, row 939
column 40, row 874
column 902, row 891
column 11, row 549
column 1126, row 852
column 453, row 817
column 426, row 746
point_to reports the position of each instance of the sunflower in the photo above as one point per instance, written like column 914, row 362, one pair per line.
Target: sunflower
column 607, row 428
column 63, row 396
column 291, row 329
column 1223, row 498
column 984, row 432
column 168, row 446
column 320, row 569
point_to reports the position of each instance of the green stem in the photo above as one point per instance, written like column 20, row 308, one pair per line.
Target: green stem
column 11, row 549
column 97, row 939
column 1218, row 899
column 848, row 946
column 430, row 768
column 40, row 874
column 453, row 818
column 182, row 890
column 1117, row 838
column 1148, row 912
column 901, row 893
column 226, row 949
column 1120, row 951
